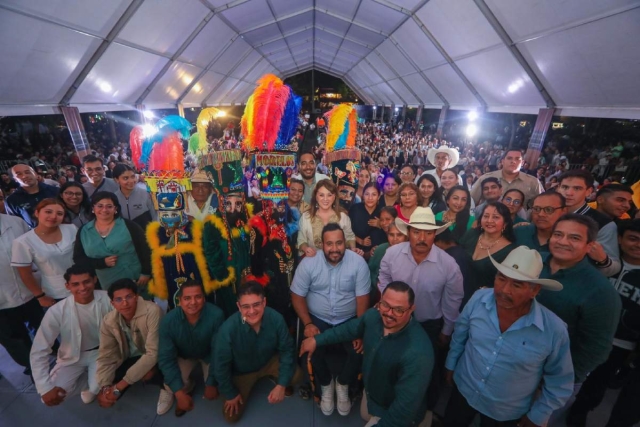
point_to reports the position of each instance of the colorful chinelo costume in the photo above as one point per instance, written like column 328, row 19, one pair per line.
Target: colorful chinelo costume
column 269, row 127
column 176, row 244
column 226, row 232
column 342, row 157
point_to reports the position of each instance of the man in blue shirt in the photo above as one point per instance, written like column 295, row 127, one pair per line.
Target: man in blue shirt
column 22, row 202
column 329, row 289
column 504, row 345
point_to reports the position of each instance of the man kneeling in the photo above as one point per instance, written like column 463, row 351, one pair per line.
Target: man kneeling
column 129, row 346
column 76, row 321
column 253, row 344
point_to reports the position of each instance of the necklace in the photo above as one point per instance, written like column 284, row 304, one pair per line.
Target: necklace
column 448, row 216
column 104, row 233
column 487, row 248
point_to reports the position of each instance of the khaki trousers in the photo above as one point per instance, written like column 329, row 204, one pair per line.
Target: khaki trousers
column 186, row 367
column 245, row 383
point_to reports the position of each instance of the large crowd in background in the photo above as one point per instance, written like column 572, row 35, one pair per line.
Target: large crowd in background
column 453, row 264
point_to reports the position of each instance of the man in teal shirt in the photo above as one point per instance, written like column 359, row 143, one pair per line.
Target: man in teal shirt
column 252, row 344
column 588, row 304
column 547, row 208
column 398, row 358
column 187, row 337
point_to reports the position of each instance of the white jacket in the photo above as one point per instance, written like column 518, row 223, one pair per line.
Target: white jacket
column 13, row 293
column 61, row 320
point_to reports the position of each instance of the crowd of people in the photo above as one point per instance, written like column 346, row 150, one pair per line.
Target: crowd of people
column 434, row 267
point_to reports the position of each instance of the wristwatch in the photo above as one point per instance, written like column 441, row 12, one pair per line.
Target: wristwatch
column 116, row 392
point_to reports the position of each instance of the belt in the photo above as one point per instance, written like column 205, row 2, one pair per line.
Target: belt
column 94, row 348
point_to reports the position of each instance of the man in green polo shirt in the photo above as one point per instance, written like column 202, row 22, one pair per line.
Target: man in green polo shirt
column 187, row 337
column 588, row 304
column 546, row 210
column 398, row 358
column 254, row 343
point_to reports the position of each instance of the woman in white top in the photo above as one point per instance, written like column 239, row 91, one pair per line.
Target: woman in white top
column 50, row 247
column 324, row 209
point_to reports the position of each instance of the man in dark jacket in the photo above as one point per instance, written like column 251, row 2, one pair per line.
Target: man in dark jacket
column 22, row 202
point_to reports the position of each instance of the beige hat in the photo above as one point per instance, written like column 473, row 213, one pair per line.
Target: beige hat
column 199, row 176
column 525, row 265
column 422, row 219
column 454, row 155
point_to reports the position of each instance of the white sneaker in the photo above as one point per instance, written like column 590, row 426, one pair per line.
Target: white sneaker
column 87, row 397
column 165, row 402
column 344, row 403
column 326, row 400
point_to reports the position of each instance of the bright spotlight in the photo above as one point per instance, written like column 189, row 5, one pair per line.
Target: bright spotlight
column 396, row 109
column 148, row 114
column 472, row 130
column 149, row 130
column 375, row 108
column 221, row 113
column 105, row 87
column 472, row 116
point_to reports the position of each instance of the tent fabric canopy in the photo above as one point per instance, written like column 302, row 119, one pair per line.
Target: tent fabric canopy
column 578, row 56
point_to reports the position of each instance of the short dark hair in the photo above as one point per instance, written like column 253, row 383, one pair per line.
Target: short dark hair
column 296, row 181
column 509, row 150
column 90, row 159
column 306, row 152
column 332, row 226
column 490, row 180
column 612, row 188
column 628, row 225
column 102, row 195
column 250, row 288
column 190, row 284
column 121, row 284
column 399, row 286
column 578, row 173
column 77, row 270
column 121, row 168
column 369, row 185
column 590, row 223
column 390, row 210
column 563, row 201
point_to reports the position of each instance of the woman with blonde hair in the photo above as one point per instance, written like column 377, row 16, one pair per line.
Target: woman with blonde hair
column 324, row 209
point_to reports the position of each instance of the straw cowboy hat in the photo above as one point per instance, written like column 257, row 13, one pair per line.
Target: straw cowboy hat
column 199, row 176
column 452, row 152
column 524, row 264
column 422, row 219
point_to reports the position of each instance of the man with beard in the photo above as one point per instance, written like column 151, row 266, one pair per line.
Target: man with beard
column 504, row 346
column 328, row 290
column 22, row 202
column 307, row 172
column 398, row 358
column 588, row 304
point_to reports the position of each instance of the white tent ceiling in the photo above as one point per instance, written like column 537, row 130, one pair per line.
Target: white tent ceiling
column 579, row 56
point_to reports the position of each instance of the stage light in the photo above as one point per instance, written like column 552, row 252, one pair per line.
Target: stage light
column 149, row 130
column 221, row 113
column 105, row 87
column 472, row 130
column 148, row 114
column 375, row 108
column 472, row 116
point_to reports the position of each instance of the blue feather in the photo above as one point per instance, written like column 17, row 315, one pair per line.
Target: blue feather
column 147, row 148
column 342, row 140
column 175, row 123
column 289, row 122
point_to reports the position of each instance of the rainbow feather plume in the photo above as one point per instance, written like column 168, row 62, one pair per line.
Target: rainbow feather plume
column 268, row 104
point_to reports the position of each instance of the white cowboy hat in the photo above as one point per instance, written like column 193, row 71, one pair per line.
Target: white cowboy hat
column 454, row 155
column 525, row 265
column 422, row 219
column 199, row 176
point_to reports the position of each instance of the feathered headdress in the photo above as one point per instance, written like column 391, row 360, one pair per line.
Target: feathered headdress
column 270, row 117
column 209, row 128
column 269, row 125
column 162, row 150
column 342, row 156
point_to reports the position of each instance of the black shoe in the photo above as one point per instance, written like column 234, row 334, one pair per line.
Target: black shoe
column 577, row 417
column 305, row 391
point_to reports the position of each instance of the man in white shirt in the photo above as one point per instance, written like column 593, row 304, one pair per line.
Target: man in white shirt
column 442, row 158
column 76, row 322
column 17, row 304
column 200, row 200
column 307, row 172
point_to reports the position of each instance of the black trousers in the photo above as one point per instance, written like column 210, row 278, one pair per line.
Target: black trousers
column 14, row 334
column 321, row 370
column 433, row 329
column 121, row 371
column 460, row 414
column 626, row 411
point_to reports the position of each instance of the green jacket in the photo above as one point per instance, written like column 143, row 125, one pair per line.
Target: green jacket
column 590, row 307
column 240, row 350
column 374, row 263
column 178, row 338
column 396, row 368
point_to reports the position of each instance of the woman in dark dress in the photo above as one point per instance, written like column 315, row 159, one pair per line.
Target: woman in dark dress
column 431, row 196
column 494, row 236
column 365, row 220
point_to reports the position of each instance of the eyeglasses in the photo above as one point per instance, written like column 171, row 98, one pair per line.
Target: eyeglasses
column 397, row 311
column 72, row 194
column 128, row 298
column 106, row 207
column 406, row 173
column 255, row 305
column 510, row 201
column 547, row 209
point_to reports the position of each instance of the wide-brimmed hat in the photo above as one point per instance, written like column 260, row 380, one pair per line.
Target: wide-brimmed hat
column 422, row 219
column 525, row 265
column 454, row 155
column 199, row 176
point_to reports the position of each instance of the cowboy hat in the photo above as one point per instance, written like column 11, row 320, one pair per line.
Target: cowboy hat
column 454, row 155
column 422, row 219
column 199, row 176
column 525, row 265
